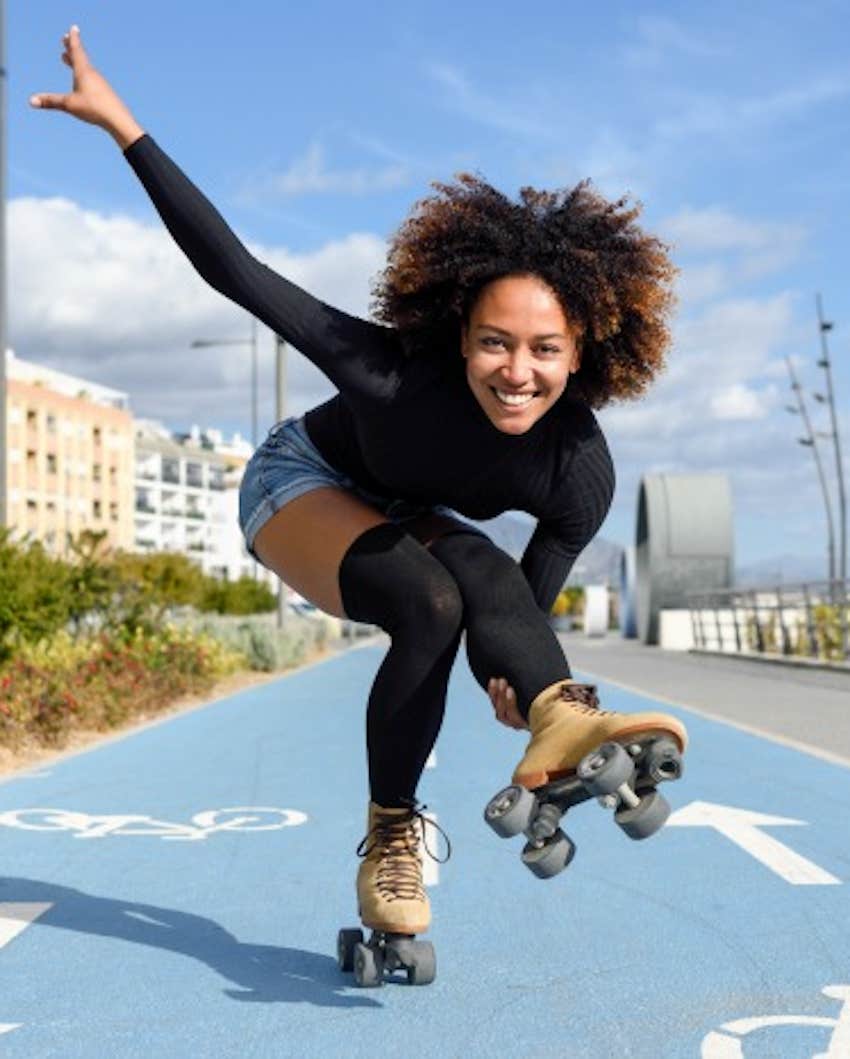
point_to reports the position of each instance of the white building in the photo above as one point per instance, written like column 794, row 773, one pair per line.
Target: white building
column 186, row 490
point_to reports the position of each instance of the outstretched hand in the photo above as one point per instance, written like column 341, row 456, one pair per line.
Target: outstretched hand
column 92, row 98
column 503, row 698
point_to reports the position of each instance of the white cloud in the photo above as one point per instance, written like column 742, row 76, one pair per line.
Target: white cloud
column 506, row 113
column 735, row 115
column 310, row 175
column 719, row 251
column 658, row 38
column 738, row 402
column 115, row 300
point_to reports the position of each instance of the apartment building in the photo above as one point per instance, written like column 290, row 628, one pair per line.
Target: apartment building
column 77, row 459
column 186, row 498
column 69, row 456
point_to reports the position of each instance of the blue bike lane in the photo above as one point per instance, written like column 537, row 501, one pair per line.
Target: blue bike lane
column 179, row 891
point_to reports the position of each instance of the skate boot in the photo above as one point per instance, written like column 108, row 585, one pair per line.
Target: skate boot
column 566, row 724
column 577, row 752
column 391, row 900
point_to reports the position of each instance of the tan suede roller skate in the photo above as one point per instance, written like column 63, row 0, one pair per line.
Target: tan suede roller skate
column 578, row 751
column 391, row 900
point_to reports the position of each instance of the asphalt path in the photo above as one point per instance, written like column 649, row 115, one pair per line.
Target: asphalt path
column 177, row 892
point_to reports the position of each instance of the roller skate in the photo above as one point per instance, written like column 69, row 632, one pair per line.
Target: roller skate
column 392, row 901
column 578, row 752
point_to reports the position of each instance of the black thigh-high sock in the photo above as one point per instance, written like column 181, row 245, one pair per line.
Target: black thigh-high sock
column 389, row 579
column 507, row 635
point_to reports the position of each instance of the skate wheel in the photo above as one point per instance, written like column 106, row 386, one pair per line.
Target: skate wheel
column 605, row 769
column 368, row 966
column 551, row 858
column 345, row 942
column 422, row 969
column 663, row 761
column 510, row 811
column 646, row 818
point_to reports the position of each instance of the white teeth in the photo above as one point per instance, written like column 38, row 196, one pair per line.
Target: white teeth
column 513, row 399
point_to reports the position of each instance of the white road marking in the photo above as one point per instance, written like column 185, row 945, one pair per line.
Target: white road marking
column 741, row 826
column 16, row 916
column 727, row 1044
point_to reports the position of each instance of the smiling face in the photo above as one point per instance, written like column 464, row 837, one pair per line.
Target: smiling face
column 520, row 351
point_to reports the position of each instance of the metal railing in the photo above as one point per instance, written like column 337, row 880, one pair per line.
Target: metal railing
column 806, row 621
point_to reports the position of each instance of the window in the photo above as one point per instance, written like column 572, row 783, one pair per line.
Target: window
column 96, row 508
column 51, row 463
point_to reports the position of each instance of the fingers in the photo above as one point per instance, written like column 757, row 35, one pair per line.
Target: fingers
column 49, row 101
column 503, row 698
column 74, row 46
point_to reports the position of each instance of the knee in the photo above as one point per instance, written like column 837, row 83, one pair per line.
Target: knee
column 439, row 607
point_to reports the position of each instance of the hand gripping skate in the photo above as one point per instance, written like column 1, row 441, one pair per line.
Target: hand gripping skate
column 388, row 950
column 623, row 777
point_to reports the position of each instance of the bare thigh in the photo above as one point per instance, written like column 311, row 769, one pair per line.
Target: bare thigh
column 305, row 542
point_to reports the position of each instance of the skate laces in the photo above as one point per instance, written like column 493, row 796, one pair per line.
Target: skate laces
column 397, row 838
column 583, row 698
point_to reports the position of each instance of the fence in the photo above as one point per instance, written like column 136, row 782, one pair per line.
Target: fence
column 804, row 621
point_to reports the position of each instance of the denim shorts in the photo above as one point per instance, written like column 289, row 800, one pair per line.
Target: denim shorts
column 288, row 465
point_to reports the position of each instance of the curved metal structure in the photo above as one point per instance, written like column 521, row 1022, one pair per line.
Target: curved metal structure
column 684, row 542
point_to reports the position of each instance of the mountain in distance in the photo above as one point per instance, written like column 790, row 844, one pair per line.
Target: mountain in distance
column 781, row 570
column 598, row 564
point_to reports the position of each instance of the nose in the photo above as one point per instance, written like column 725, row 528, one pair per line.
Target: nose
column 517, row 369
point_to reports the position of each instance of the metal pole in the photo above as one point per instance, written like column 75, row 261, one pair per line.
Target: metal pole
column 254, row 416
column 825, row 326
column 3, row 303
column 280, row 406
column 812, row 443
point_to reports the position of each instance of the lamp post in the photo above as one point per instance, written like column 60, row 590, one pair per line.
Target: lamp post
column 203, row 343
column 810, row 442
column 3, row 322
column 280, row 405
column 823, row 327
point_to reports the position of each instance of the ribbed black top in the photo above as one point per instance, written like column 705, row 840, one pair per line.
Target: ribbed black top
column 404, row 427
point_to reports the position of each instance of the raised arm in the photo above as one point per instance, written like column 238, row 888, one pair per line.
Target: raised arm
column 359, row 357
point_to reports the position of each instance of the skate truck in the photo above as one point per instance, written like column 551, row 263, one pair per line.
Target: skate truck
column 622, row 777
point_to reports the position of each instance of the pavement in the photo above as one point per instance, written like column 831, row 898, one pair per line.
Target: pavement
column 177, row 892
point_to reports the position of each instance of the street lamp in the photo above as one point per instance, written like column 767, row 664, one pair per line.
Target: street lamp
column 823, row 327
column 3, row 321
column 203, row 343
column 810, row 442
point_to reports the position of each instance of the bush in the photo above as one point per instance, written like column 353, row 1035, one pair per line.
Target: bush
column 265, row 647
column 50, row 689
column 35, row 599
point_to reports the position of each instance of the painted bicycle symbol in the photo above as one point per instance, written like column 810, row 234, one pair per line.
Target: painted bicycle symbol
column 725, row 1043
column 202, row 824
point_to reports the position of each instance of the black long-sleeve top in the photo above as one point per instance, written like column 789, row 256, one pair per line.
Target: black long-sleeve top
column 404, row 427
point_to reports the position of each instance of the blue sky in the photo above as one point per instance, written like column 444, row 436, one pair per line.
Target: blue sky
column 315, row 127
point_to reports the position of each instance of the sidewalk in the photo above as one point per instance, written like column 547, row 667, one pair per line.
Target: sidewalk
column 809, row 708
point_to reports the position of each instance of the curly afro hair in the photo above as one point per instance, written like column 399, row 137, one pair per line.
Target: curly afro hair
column 613, row 280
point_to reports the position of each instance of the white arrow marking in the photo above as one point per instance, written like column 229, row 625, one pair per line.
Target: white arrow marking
column 15, row 917
column 741, row 826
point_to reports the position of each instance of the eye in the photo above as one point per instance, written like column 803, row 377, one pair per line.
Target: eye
column 490, row 340
column 549, row 349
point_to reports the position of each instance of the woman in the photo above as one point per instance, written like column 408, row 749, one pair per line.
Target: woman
column 504, row 323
